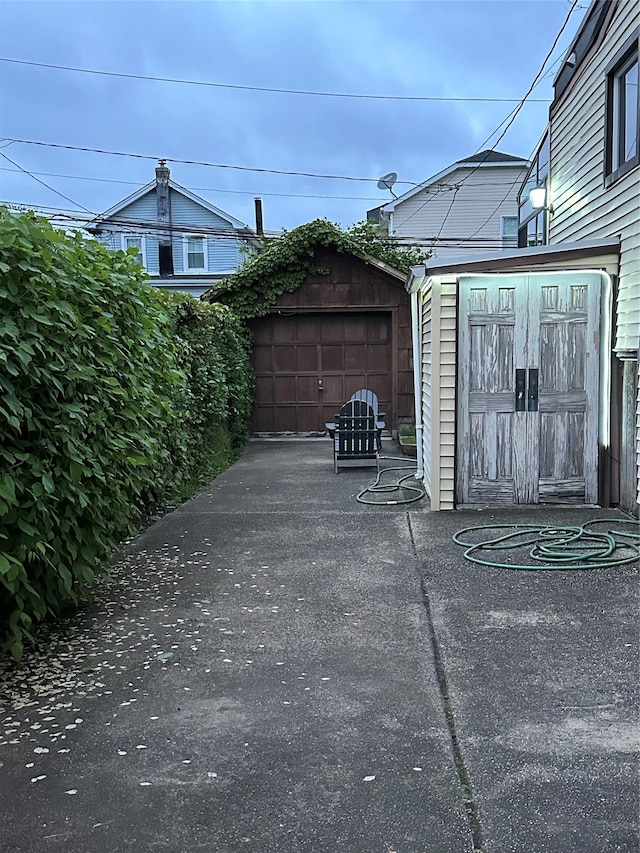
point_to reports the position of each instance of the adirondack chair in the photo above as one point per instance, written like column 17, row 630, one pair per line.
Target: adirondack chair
column 371, row 399
column 355, row 437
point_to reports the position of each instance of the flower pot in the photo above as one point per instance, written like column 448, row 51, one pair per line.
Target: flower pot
column 408, row 445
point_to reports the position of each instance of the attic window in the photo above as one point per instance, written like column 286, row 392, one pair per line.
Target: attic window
column 622, row 113
column 195, row 254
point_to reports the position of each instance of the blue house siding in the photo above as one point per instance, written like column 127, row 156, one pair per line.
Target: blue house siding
column 187, row 212
column 224, row 254
column 138, row 215
column 144, row 209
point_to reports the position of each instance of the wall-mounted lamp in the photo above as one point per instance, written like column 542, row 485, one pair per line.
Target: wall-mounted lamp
column 538, row 199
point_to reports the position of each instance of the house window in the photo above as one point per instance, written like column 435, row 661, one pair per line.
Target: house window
column 134, row 241
column 622, row 113
column 532, row 223
column 195, row 254
column 509, row 231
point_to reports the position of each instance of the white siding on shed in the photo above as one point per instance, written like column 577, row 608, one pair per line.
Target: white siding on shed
column 438, row 312
column 426, row 377
column 583, row 207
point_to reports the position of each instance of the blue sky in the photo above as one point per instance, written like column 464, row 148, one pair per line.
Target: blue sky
column 450, row 49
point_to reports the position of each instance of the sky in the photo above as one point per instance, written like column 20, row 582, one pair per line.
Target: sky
column 415, row 50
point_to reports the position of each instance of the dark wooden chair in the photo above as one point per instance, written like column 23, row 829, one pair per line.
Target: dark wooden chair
column 355, row 436
column 371, row 399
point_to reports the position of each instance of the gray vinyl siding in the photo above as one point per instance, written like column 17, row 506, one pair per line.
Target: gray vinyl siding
column 638, row 431
column 583, row 207
column 483, row 198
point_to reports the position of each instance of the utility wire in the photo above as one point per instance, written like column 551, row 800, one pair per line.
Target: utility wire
column 241, row 192
column 62, row 195
column 238, row 86
column 196, row 162
column 131, row 226
column 510, row 120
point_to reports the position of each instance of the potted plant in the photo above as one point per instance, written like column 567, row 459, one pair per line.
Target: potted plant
column 407, row 440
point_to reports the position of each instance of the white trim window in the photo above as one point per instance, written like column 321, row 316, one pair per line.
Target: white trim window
column 137, row 242
column 195, row 253
column 509, row 231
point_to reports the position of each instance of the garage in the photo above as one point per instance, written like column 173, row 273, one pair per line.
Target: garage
column 326, row 319
column 307, row 365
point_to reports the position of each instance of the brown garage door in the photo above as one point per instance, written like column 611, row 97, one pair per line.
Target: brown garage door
column 307, row 365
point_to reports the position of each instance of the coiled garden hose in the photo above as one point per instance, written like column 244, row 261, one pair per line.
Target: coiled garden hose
column 398, row 485
column 556, row 548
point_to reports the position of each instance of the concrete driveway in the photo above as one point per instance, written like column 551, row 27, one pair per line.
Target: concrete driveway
column 276, row 667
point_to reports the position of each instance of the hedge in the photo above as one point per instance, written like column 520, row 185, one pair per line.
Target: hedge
column 117, row 401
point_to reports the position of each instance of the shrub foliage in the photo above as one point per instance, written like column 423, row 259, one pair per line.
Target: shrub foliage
column 115, row 401
column 285, row 263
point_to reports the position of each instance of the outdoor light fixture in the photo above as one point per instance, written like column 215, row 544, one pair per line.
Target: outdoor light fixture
column 538, row 199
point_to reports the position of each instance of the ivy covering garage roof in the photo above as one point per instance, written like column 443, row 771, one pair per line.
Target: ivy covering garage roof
column 283, row 266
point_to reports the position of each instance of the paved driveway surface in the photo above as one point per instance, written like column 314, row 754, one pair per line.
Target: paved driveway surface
column 275, row 667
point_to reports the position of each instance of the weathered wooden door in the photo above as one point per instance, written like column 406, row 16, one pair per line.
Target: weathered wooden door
column 528, row 394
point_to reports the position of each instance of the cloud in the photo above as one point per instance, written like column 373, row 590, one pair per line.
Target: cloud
column 408, row 48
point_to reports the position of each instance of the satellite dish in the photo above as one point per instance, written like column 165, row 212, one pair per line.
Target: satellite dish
column 387, row 181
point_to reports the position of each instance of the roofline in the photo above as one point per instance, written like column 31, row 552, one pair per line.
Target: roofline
column 241, row 226
column 513, row 261
column 460, row 164
column 381, row 265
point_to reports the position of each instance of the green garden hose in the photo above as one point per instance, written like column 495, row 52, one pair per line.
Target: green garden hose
column 557, row 548
column 398, row 485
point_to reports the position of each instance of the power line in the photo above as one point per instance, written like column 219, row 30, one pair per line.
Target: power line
column 237, row 86
column 239, row 192
column 199, row 189
column 62, row 195
column 130, row 226
column 195, row 162
column 509, row 121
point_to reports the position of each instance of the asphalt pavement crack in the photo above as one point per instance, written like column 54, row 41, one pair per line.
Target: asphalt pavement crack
column 464, row 780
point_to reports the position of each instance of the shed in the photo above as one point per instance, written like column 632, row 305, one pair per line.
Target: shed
column 326, row 321
column 513, row 363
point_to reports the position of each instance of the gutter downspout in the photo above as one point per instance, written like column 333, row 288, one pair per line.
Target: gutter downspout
column 413, row 287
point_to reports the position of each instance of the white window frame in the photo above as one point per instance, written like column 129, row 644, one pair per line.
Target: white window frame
column 143, row 245
column 509, row 240
column 185, row 254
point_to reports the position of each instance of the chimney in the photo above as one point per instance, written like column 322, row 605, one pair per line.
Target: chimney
column 259, row 226
column 163, row 200
column 162, row 172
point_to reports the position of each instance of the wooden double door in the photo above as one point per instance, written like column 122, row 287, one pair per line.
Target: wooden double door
column 528, row 407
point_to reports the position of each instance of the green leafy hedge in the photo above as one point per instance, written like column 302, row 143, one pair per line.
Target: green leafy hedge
column 116, row 401
column 216, row 400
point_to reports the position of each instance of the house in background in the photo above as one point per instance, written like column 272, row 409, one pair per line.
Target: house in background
column 469, row 206
column 184, row 242
column 526, row 363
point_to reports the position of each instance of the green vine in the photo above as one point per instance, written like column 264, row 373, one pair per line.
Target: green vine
column 285, row 263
